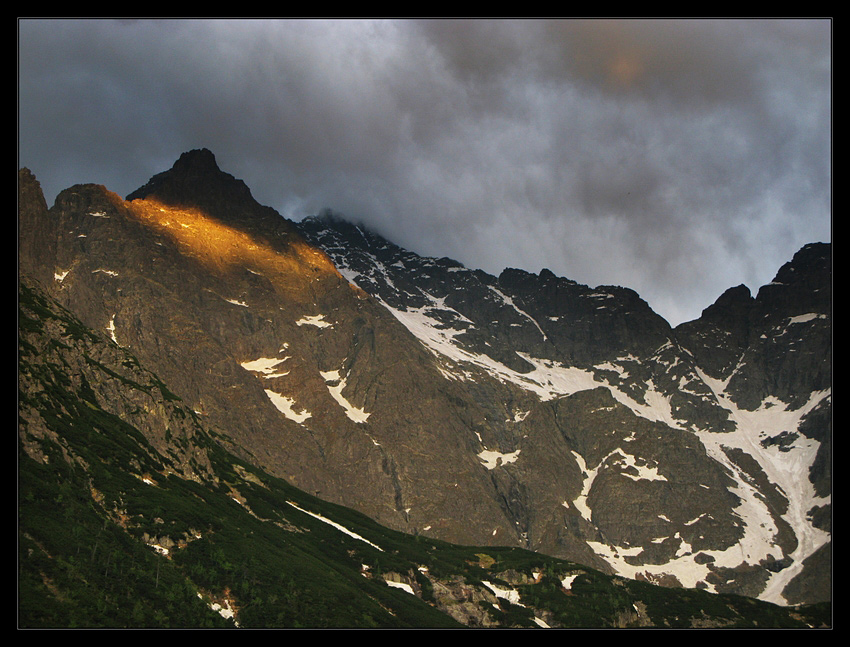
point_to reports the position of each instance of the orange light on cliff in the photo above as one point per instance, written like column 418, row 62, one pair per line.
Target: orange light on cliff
column 222, row 248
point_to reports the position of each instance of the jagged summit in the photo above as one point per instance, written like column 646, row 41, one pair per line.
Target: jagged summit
column 732, row 308
column 813, row 262
column 791, row 288
column 199, row 158
column 501, row 317
column 195, row 180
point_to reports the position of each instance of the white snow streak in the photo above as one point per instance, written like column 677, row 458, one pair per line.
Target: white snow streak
column 787, row 467
column 401, row 585
column 314, row 320
column 339, row 527
column 510, row 595
column 493, row 459
column 335, row 385
column 509, row 301
column 265, row 366
column 111, row 329
column 286, row 406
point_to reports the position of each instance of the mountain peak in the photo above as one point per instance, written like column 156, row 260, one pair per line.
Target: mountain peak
column 813, row 262
column 735, row 302
column 200, row 158
column 196, row 180
column 796, row 286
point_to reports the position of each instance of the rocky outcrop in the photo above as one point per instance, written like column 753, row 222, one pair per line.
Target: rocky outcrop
column 776, row 344
column 110, row 382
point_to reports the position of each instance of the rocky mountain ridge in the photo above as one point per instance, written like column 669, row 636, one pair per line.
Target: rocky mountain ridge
column 519, row 410
column 778, row 348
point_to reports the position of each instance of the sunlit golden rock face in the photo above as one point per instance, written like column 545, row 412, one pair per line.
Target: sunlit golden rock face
column 221, row 248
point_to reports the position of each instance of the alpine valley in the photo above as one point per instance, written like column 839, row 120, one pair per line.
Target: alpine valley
column 230, row 419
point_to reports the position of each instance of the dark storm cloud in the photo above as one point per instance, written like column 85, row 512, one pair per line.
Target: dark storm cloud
column 676, row 157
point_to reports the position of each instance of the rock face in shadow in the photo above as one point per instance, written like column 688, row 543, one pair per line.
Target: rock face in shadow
column 520, row 410
column 776, row 344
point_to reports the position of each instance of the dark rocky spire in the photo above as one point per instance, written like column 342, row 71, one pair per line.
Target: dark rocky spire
column 195, row 180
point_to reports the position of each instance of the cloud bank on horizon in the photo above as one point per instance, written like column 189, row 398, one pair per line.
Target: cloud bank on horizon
column 675, row 157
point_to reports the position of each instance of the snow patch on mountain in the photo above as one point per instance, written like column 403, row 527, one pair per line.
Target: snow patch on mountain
column 493, row 459
column 336, row 525
column 510, row 302
column 314, row 320
column 519, row 416
column 787, row 466
column 286, row 406
column 110, row 328
column 511, row 595
column 580, row 502
column 404, row 586
column 656, row 406
column 805, row 318
column 548, row 379
column 336, row 384
column 265, row 366
column 637, row 469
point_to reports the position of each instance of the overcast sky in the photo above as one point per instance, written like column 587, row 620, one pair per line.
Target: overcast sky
column 675, row 157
